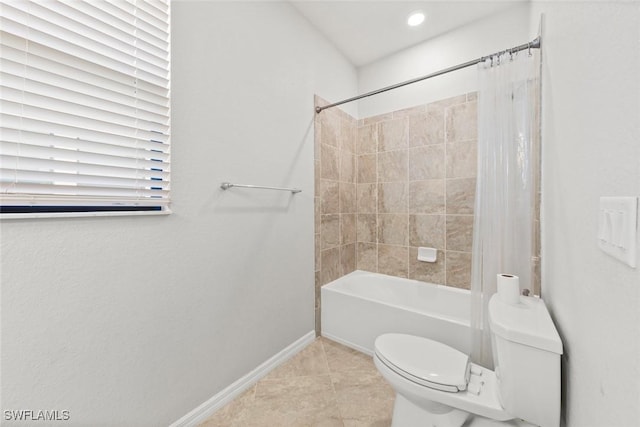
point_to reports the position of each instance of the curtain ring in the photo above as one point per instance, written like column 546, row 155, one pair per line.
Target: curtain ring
column 530, row 49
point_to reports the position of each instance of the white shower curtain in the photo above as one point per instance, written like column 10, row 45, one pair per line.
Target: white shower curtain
column 505, row 190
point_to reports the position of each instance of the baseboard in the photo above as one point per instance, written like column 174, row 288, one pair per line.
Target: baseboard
column 204, row 411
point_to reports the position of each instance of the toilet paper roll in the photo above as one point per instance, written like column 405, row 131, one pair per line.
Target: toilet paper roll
column 509, row 288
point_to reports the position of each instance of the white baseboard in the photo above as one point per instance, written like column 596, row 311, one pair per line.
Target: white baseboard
column 204, row 411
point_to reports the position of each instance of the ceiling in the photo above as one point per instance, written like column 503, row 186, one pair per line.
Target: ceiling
column 368, row 30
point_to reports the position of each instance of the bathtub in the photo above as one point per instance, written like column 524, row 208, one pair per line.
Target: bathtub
column 360, row 306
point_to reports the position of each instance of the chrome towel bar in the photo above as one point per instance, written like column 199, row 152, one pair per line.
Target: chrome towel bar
column 228, row 185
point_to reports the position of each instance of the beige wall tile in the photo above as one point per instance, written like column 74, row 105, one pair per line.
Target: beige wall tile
column 316, row 178
column 347, row 229
column 458, row 269
column 317, row 206
column 393, row 229
column 367, row 257
column 367, row 168
column 393, row 197
column 399, row 200
column 366, row 198
column 329, row 128
column 393, row 166
column 435, row 127
column 347, row 197
column 318, row 322
column 317, row 138
column 367, row 139
column 348, row 135
column 318, row 249
column 426, row 162
column 393, row 134
column 318, row 286
column 536, row 238
column 413, row 181
column 461, row 195
column 393, row 260
column 335, row 172
column 330, row 265
column 347, row 167
column 462, row 159
column 426, row 197
column 426, row 129
column 460, row 232
column 462, row 122
column 536, row 276
column 347, row 258
column 330, row 196
column 367, row 228
column 431, row 272
column 427, row 230
column 418, row 129
column 398, row 203
column 329, row 162
column 330, row 231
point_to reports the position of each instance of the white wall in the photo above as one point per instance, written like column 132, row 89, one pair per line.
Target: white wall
column 138, row 320
column 591, row 148
column 507, row 29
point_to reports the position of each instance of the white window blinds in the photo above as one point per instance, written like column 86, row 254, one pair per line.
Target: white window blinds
column 84, row 92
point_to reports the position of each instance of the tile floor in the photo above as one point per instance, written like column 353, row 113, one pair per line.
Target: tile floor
column 326, row 384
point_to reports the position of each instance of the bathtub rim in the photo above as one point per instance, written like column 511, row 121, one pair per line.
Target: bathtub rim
column 333, row 287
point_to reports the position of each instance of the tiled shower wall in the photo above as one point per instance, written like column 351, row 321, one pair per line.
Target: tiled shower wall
column 335, row 197
column 388, row 184
column 416, row 176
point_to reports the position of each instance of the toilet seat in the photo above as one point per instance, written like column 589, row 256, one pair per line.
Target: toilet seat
column 424, row 361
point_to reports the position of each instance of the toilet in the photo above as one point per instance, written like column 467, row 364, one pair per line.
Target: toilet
column 438, row 386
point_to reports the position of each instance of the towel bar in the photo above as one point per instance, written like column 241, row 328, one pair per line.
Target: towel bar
column 228, row 185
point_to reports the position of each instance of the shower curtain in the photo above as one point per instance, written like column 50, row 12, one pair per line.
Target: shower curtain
column 505, row 189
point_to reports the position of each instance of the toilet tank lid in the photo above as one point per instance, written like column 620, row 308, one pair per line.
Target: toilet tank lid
column 527, row 323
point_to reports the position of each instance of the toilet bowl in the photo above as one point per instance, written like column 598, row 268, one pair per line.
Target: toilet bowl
column 438, row 386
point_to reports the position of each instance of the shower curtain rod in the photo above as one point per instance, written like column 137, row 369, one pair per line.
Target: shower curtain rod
column 534, row 44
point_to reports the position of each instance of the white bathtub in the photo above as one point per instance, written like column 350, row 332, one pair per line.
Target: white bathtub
column 360, row 306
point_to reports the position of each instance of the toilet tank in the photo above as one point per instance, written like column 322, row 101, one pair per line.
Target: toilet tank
column 526, row 353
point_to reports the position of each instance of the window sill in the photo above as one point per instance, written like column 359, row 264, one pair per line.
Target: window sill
column 12, row 216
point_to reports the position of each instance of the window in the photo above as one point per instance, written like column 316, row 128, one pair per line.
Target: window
column 84, row 113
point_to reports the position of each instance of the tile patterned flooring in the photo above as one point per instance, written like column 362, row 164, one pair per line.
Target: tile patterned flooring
column 325, row 385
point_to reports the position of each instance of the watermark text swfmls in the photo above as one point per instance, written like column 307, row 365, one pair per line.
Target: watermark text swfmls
column 36, row 415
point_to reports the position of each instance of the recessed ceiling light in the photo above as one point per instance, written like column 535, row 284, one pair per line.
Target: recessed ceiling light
column 415, row 18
